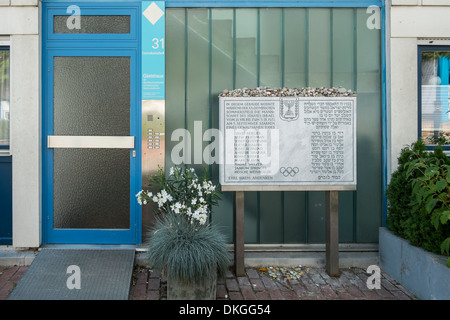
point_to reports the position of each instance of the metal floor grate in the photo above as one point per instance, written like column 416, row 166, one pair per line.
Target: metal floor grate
column 103, row 275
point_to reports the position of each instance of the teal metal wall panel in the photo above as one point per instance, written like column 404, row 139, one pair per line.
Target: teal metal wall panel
column 295, row 47
column 211, row 49
column 295, row 215
column 175, row 78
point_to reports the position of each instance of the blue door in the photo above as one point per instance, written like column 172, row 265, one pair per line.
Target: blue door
column 91, row 126
column 5, row 200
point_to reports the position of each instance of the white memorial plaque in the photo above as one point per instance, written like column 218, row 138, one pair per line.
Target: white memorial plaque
column 288, row 143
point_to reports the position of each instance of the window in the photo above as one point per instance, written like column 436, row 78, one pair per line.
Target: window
column 434, row 70
column 94, row 24
column 4, row 98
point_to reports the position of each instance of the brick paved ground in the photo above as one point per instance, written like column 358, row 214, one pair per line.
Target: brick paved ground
column 9, row 277
column 314, row 284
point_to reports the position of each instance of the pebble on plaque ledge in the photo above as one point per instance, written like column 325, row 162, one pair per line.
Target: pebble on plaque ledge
column 284, row 273
column 288, row 92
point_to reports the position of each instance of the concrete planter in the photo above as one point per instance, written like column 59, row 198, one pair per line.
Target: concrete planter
column 423, row 273
column 177, row 290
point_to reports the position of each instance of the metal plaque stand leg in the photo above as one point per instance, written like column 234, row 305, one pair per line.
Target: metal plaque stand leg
column 332, row 233
column 239, row 233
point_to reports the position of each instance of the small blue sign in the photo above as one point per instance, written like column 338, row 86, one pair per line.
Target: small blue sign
column 153, row 50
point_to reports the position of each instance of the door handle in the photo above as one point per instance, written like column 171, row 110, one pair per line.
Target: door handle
column 108, row 142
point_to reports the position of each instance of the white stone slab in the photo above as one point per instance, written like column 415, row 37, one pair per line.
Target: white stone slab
column 277, row 143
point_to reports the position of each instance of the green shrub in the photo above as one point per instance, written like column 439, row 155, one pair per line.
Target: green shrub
column 419, row 198
column 398, row 194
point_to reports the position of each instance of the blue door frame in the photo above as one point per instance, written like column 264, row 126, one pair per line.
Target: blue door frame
column 91, row 45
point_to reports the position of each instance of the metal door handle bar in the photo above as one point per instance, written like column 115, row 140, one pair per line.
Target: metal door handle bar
column 108, row 142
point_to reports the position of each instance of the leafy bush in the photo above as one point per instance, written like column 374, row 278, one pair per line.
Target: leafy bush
column 398, row 194
column 419, row 198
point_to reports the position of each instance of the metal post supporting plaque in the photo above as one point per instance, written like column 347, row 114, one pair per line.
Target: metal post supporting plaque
column 332, row 233
column 239, row 233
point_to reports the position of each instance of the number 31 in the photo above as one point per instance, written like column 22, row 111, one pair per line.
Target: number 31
column 157, row 42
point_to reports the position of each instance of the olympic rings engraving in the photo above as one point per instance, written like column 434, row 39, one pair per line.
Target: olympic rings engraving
column 289, row 171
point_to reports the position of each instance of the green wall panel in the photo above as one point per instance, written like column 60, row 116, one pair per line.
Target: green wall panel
column 175, row 78
column 211, row 49
column 295, row 48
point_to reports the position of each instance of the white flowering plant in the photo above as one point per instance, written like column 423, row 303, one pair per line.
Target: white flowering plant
column 183, row 193
column 182, row 243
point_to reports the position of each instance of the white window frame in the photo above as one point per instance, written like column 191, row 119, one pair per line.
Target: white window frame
column 430, row 42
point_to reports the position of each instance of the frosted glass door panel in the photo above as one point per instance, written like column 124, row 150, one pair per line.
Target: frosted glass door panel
column 92, row 96
column 93, row 24
column 91, row 188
